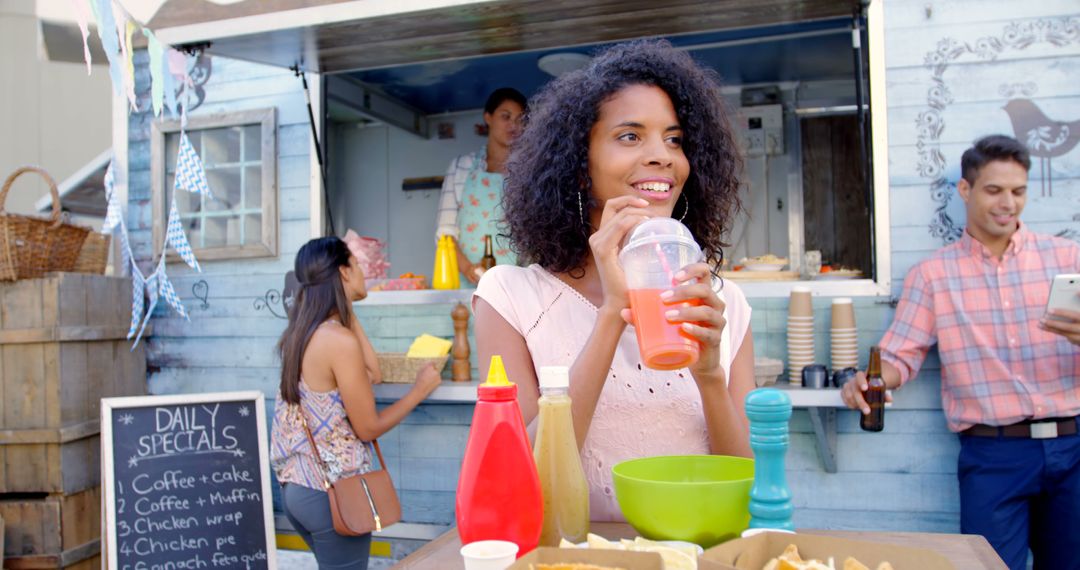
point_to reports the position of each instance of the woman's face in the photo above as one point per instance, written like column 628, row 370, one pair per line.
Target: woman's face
column 504, row 124
column 635, row 148
column 352, row 279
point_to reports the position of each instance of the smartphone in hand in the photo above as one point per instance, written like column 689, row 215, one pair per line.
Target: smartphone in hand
column 1064, row 293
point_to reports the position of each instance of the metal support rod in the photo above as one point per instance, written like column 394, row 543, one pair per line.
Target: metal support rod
column 864, row 135
column 318, row 147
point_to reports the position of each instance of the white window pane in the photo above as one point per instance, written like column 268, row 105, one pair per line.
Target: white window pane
column 252, row 229
column 193, row 230
column 221, row 146
column 187, row 202
column 225, row 186
column 252, row 142
column 222, row 232
column 252, row 187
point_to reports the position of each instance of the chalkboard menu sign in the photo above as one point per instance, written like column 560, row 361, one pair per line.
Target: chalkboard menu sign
column 187, row 482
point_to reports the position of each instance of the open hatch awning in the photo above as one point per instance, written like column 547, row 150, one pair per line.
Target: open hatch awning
column 83, row 192
column 331, row 36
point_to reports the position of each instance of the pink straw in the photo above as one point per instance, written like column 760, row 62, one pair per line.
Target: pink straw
column 663, row 261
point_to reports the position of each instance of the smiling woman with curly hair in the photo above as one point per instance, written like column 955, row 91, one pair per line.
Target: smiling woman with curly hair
column 641, row 132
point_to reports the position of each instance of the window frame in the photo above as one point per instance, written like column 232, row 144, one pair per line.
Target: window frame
column 881, row 285
column 270, row 226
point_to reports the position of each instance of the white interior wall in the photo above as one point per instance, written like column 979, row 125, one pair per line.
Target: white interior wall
column 368, row 164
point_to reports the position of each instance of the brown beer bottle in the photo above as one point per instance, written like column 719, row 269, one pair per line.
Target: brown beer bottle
column 488, row 261
column 874, row 394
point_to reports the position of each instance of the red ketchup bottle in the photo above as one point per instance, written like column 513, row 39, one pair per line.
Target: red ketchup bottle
column 498, row 494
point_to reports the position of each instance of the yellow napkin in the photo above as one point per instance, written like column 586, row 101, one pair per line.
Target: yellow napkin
column 427, row 346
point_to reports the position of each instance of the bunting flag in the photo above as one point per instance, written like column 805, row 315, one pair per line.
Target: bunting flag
column 178, row 68
column 157, row 70
column 152, row 288
column 167, row 66
column 169, row 294
column 138, row 291
column 174, row 235
column 129, row 64
column 113, row 212
column 190, row 175
column 106, row 29
column 82, row 14
column 168, row 82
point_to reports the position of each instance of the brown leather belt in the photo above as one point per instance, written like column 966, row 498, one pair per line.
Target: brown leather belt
column 1034, row 429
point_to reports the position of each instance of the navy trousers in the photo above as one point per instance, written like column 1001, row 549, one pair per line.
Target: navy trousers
column 1023, row 493
column 309, row 512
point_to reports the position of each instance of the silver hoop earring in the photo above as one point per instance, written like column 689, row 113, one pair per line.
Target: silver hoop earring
column 580, row 209
column 686, row 209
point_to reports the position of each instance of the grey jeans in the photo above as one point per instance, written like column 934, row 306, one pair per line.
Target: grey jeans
column 309, row 512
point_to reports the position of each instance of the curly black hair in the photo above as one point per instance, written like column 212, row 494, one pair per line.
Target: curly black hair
column 547, row 171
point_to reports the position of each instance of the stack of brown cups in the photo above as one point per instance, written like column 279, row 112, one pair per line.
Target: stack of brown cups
column 843, row 336
column 800, row 333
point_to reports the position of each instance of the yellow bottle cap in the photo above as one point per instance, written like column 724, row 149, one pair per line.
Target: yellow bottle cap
column 497, row 374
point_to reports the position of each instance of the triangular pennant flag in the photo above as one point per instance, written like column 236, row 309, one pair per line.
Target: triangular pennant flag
column 170, row 296
column 125, row 29
column 174, row 236
column 168, row 84
column 190, row 175
column 138, row 291
column 157, row 71
column 83, row 15
column 114, row 212
column 152, row 291
column 106, row 28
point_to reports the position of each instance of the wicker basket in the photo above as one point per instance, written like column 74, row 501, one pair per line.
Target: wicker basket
column 399, row 369
column 94, row 256
column 31, row 247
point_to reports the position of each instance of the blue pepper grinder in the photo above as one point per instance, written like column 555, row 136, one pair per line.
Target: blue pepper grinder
column 769, row 410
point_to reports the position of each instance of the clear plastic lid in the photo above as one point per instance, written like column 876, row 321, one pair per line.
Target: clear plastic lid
column 554, row 377
column 662, row 231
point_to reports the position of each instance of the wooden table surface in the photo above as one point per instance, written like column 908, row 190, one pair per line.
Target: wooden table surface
column 965, row 551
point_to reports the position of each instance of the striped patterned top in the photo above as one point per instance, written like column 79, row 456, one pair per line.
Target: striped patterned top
column 997, row 366
column 450, row 198
column 290, row 451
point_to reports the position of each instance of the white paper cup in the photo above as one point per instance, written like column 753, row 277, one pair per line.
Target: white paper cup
column 489, row 554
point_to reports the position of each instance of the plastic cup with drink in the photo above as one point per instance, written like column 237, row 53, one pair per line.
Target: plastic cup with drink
column 654, row 252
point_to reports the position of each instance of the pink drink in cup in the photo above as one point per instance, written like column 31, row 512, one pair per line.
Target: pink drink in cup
column 655, row 251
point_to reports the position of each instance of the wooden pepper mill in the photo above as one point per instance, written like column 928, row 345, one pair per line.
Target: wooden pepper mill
column 459, row 350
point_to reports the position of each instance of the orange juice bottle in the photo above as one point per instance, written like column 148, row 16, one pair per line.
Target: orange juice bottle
column 562, row 480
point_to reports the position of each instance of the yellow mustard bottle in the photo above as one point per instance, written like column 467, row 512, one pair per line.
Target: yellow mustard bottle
column 558, row 462
column 441, row 276
column 451, row 255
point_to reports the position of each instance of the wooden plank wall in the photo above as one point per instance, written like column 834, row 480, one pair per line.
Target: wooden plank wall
column 905, row 477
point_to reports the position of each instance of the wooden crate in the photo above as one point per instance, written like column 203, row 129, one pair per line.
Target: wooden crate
column 54, row 531
column 63, row 347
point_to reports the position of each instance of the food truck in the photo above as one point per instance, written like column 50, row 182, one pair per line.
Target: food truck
column 314, row 117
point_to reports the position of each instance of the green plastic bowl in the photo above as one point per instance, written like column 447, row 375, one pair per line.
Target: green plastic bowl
column 702, row 499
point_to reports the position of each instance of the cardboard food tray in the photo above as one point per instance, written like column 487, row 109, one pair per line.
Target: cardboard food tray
column 610, row 558
column 754, row 552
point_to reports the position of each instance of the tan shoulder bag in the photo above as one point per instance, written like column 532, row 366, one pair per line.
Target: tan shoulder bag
column 360, row 503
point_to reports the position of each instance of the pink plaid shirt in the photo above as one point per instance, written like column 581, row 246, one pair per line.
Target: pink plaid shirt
column 997, row 366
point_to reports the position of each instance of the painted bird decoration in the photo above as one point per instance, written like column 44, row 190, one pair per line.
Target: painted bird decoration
column 1044, row 137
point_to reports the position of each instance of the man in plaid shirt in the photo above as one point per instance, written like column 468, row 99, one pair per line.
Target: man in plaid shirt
column 1009, row 382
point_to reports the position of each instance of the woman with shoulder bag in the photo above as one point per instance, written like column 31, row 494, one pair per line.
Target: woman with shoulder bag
column 325, row 412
